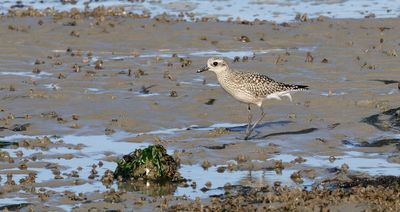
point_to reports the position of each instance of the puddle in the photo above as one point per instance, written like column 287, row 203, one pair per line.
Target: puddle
column 95, row 149
column 167, row 53
column 381, row 141
column 107, row 91
column 118, row 91
column 12, row 201
column 213, row 85
column 94, row 90
column 233, row 53
column 98, row 147
column 171, row 131
column 219, row 125
column 371, row 163
column 52, row 86
column 199, row 81
column 26, row 74
column 391, row 92
column 146, row 94
column 218, row 180
column 221, row 53
column 337, row 93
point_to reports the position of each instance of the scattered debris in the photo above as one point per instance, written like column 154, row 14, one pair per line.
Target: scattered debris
column 173, row 94
column 309, row 58
column 302, row 17
column 244, row 39
column 210, row 102
column 205, row 164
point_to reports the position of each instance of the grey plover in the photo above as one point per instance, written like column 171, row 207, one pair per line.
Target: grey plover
column 250, row 88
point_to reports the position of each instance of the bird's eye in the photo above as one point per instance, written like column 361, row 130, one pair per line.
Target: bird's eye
column 215, row 63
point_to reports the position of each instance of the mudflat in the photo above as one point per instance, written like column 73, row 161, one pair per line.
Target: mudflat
column 79, row 91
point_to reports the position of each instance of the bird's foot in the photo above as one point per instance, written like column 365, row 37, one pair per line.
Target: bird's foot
column 247, row 136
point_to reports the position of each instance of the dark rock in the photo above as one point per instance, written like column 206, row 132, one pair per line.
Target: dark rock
column 386, row 121
column 20, row 127
column 151, row 163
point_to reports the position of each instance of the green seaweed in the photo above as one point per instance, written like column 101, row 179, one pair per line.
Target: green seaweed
column 151, row 163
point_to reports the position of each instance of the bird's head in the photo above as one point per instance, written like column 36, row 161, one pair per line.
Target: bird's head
column 215, row 64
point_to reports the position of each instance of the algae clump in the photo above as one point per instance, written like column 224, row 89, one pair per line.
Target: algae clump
column 151, row 163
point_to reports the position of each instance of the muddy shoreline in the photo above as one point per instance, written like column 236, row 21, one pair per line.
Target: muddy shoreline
column 76, row 91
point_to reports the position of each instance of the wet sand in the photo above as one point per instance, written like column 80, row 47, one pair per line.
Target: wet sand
column 99, row 87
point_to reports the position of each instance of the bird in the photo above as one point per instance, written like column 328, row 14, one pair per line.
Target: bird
column 251, row 88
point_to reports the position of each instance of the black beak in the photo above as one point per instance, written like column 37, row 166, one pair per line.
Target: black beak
column 205, row 68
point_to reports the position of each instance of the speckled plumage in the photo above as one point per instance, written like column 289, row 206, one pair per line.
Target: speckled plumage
column 255, row 84
column 250, row 88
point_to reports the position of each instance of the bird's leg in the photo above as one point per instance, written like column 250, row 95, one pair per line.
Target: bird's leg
column 255, row 124
column 250, row 117
column 258, row 121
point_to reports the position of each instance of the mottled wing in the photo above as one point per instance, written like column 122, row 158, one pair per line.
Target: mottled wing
column 262, row 86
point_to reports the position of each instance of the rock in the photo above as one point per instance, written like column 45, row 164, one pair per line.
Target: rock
column 385, row 121
column 151, row 163
column 20, row 127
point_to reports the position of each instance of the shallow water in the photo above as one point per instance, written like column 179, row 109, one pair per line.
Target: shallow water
column 279, row 11
column 168, row 53
column 52, row 86
column 189, row 121
column 11, row 201
column 96, row 147
column 371, row 163
column 26, row 74
column 219, row 180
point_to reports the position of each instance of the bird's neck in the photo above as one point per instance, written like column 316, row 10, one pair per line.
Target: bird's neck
column 224, row 73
